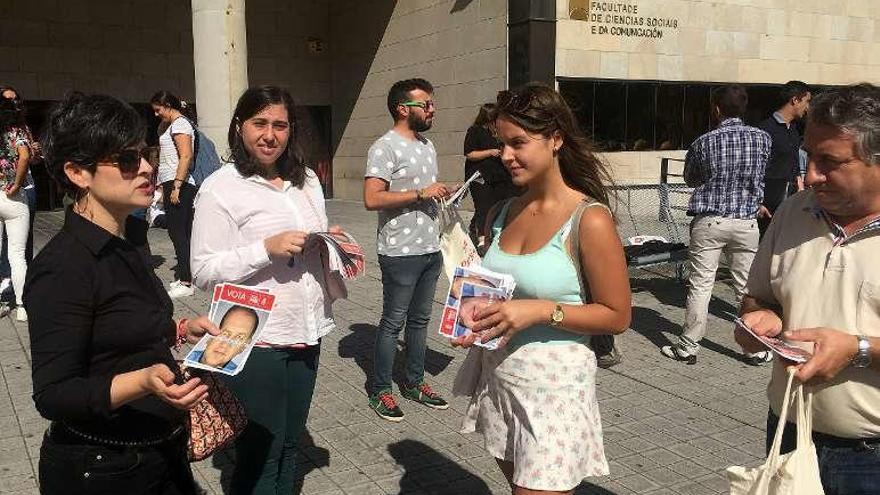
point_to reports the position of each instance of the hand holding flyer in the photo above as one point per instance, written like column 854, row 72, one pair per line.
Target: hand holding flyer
column 241, row 313
column 345, row 255
column 780, row 347
column 473, row 288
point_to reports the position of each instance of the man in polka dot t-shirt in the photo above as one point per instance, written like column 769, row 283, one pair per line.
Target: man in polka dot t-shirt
column 401, row 184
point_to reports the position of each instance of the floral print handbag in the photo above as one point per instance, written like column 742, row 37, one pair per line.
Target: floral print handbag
column 214, row 422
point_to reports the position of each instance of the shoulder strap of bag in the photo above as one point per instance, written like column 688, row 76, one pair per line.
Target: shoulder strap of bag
column 575, row 245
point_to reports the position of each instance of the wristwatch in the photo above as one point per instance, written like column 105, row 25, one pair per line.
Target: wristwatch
column 557, row 316
column 863, row 358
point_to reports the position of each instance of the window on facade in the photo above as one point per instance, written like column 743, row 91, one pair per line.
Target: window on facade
column 653, row 115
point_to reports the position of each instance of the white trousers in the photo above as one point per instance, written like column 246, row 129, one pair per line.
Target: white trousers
column 15, row 218
column 710, row 237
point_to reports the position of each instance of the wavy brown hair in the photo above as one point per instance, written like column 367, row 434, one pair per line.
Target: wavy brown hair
column 538, row 109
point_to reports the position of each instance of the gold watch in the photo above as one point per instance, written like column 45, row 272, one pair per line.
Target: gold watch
column 557, row 316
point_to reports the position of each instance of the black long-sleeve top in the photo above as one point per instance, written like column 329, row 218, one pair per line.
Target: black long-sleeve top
column 95, row 311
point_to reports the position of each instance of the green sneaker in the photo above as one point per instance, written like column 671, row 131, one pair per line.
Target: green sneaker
column 385, row 406
column 423, row 394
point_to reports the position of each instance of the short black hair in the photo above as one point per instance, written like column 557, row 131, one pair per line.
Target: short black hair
column 732, row 100
column 399, row 93
column 83, row 129
column 791, row 89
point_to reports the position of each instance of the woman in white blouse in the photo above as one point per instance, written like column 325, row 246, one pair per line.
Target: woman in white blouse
column 251, row 222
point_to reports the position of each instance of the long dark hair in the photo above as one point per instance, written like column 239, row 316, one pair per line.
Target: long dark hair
column 84, row 129
column 538, row 109
column 168, row 99
column 18, row 104
column 290, row 164
column 484, row 115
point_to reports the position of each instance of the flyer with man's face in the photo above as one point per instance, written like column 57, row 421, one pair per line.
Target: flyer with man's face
column 241, row 313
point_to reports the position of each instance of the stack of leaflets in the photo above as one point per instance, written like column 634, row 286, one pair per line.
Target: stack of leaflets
column 241, row 313
column 780, row 347
column 471, row 290
column 345, row 255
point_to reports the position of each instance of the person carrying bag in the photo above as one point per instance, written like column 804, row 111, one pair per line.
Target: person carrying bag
column 795, row 473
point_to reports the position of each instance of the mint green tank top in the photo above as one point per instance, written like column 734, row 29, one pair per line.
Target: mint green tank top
column 548, row 273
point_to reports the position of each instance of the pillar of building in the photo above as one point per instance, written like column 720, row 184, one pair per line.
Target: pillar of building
column 220, row 61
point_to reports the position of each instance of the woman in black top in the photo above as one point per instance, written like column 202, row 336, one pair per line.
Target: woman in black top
column 101, row 323
column 482, row 152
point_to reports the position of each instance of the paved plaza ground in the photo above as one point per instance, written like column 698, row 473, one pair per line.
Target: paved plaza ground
column 669, row 428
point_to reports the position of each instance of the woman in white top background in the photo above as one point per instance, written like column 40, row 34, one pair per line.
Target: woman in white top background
column 176, row 154
column 251, row 222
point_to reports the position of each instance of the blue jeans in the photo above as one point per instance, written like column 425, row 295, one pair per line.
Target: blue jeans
column 845, row 470
column 408, row 284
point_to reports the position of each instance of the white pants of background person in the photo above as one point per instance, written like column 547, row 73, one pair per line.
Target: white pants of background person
column 15, row 218
column 710, row 237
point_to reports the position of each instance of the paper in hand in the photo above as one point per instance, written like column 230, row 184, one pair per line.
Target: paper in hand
column 241, row 313
column 473, row 288
column 780, row 347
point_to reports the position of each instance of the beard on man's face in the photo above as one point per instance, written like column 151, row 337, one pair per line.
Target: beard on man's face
column 418, row 123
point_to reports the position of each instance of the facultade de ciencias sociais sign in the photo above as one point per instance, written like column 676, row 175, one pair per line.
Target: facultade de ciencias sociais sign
column 621, row 18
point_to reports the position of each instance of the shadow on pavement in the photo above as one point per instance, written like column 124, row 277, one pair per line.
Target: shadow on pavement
column 660, row 331
column 427, row 471
column 591, row 489
column 359, row 342
column 308, row 458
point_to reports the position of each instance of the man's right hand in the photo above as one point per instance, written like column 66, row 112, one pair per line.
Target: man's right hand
column 763, row 322
column 436, row 190
column 763, row 212
column 286, row 244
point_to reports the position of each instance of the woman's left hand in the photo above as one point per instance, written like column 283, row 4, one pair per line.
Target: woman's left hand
column 175, row 196
column 336, row 231
column 12, row 190
column 505, row 319
column 197, row 327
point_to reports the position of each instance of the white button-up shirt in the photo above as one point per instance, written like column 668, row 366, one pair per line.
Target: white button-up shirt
column 233, row 216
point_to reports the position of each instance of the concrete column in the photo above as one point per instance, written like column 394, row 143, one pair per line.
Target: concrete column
column 220, row 61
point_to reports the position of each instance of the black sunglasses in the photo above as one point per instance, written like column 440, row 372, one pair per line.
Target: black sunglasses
column 513, row 101
column 128, row 161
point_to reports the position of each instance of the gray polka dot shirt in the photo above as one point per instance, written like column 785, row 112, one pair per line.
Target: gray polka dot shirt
column 406, row 166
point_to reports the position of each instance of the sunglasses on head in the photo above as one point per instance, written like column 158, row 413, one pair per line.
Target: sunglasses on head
column 512, row 101
column 128, row 161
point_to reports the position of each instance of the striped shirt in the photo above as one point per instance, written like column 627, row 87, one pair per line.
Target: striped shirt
column 726, row 168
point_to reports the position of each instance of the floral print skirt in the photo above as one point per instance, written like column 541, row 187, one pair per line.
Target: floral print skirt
column 536, row 407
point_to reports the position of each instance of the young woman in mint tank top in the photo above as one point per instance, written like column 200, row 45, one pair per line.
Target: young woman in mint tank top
column 535, row 401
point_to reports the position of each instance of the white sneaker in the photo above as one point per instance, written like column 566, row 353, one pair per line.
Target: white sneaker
column 20, row 314
column 179, row 289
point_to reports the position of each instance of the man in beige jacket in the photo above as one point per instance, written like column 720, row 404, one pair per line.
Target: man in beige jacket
column 815, row 281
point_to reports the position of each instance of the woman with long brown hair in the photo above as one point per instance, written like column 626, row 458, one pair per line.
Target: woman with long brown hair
column 536, row 399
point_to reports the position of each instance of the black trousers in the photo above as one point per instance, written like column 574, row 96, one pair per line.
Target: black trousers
column 775, row 192
column 179, row 220
column 70, row 466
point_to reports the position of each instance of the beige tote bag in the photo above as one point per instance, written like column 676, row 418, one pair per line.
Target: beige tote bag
column 455, row 245
column 795, row 473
